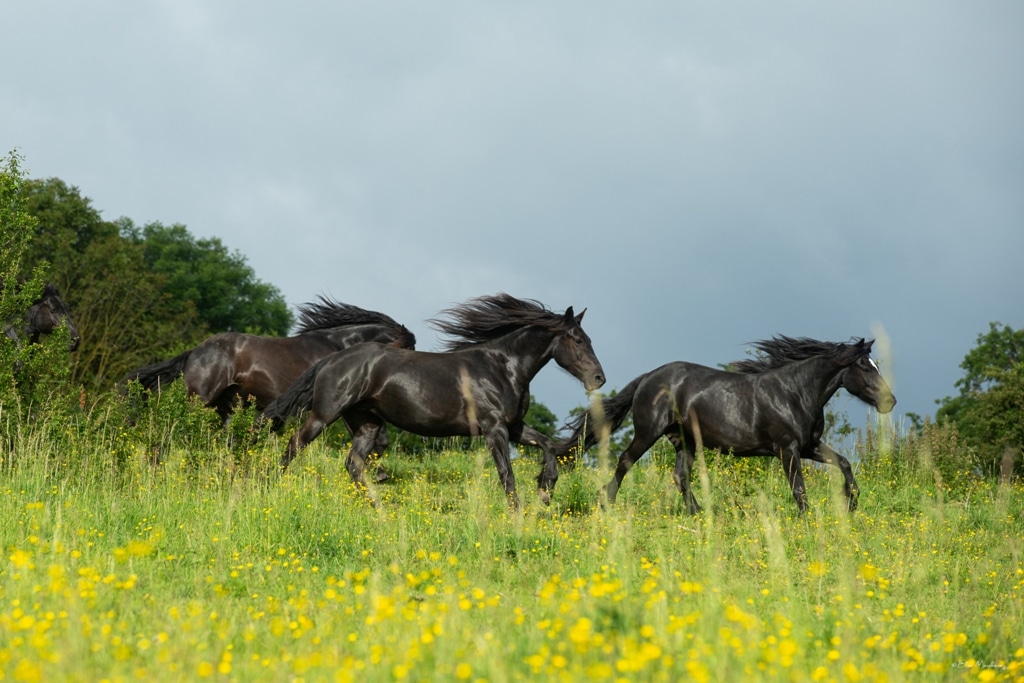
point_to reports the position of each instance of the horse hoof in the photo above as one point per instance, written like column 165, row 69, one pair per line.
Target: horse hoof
column 545, row 497
column 381, row 475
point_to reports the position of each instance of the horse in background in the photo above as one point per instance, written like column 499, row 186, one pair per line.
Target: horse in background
column 773, row 405
column 233, row 365
column 44, row 315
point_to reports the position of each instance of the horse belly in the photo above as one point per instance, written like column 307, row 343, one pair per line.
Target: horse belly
column 426, row 410
column 730, row 423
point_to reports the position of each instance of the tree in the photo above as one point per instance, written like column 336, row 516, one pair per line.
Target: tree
column 989, row 411
column 220, row 284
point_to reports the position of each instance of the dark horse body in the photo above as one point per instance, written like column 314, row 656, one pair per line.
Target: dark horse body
column 45, row 315
column 479, row 386
column 230, row 365
column 770, row 406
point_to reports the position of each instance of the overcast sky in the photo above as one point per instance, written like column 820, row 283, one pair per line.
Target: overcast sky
column 697, row 175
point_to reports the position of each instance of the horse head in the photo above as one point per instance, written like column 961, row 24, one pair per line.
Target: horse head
column 863, row 379
column 574, row 352
column 47, row 314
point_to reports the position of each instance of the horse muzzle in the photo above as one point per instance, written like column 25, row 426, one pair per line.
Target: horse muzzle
column 594, row 381
column 886, row 403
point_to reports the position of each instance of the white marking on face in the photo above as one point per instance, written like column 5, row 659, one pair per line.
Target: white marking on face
column 874, row 364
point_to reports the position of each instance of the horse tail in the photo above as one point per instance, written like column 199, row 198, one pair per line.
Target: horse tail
column 159, row 375
column 612, row 412
column 296, row 398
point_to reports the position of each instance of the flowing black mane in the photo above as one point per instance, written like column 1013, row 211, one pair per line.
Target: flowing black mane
column 782, row 350
column 490, row 317
column 49, row 289
column 327, row 314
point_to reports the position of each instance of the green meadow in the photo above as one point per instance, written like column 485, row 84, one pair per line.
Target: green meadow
column 169, row 550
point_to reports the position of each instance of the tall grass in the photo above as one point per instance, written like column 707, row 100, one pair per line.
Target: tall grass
column 167, row 549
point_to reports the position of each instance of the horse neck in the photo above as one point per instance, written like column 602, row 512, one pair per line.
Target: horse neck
column 527, row 351
column 820, row 379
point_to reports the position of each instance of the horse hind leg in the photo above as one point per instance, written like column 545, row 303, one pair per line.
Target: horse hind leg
column 224, row 402
column 683, row 472
column 548, row 475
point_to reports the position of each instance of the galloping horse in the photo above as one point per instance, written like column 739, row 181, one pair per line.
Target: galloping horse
column 770, row 406
column 43, row 317
column 229, row 365
column 480, row 385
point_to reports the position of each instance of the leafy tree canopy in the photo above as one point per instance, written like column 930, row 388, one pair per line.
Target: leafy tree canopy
column 989, row 411
column 220, row 284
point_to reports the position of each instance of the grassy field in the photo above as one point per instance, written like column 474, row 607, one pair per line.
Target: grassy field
column 115, row 569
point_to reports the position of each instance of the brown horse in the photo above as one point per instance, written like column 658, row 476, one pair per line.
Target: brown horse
column 230, row 365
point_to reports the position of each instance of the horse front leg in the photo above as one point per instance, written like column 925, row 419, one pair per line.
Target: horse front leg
column 683, row 472
column 548, row 476
column 824, row 454
column 497, row 441
column 794, row 475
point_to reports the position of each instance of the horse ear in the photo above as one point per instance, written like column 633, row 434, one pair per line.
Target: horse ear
column 568, row 315
column 867, row 344
column 579, row 318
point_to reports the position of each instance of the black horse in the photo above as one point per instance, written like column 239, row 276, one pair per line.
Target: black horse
column 230, row 365
column 45, row 315
column 480, row 385
column 772, row 406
